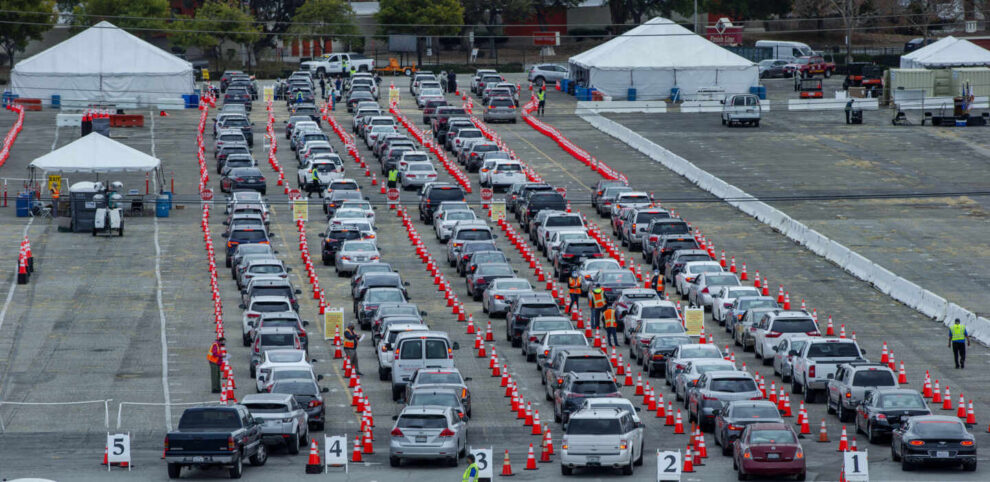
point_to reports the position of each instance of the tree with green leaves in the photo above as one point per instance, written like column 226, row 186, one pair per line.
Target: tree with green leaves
column 421, row 18
column 326, row 20
column 20, row 27
column 217, row 22
column 140, row 17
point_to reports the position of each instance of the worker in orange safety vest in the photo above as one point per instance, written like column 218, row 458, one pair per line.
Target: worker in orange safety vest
column 610, row 327
column 574, row 288
column 215, row 357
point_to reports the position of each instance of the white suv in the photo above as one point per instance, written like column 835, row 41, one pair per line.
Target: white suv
column 776, row 325
column 602, row 437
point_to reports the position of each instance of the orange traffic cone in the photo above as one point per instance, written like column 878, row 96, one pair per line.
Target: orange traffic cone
column 688, row 461
column 806, row 427
column 537, row 426
column 961, row 408
column 105, row 453
column 546, row 447
column 314, row 466
column 843, row 441
column 902, row 375
column 639, row 384
column 970, row 415
column 947, row 399
column 936, row 393
column 823, row 433
column 369, row 445
column 506, row 466
column 530, row 459
column 356, row 453
column 669, row 421
column 679, row 424
column 231, row 398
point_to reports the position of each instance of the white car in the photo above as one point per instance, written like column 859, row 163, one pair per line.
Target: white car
column 465, row 138
column 254, row 309
column 344, row 216
column 410, row 157
column 559, row 338
column 683, row 354
column 557, row 221
column 631, row 199
column 328, row 167
column 602, row 437
column 385, row 348
column 364, row 206
column 725, row 296
column 693, row 370
column 374, row 132
column 506, row 173
column 557, row 239
column 416, row 174
column 684, row 279
column 428, row 94
column 279, row 358
column 285, row 372
column 444, row 223
column 312, row 149
column 620, row 403
column 779, row 324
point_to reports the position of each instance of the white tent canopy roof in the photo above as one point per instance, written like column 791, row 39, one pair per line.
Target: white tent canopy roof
column 96, row 153
column 105, row 49
column 657, row 44
column 947, row 52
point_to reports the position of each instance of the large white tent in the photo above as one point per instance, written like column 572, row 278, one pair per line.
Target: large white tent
column 947, row 52
column 95, row 153
column 657, row 56
column 103, row 63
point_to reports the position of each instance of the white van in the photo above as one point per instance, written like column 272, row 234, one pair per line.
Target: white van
column 784, row 50
column 741, row 109
column 419, row 349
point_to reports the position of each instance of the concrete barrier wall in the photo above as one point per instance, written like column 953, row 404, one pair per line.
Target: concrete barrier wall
column 621, row 107
column 934, row 103
column 830, row 104
column 902, row 290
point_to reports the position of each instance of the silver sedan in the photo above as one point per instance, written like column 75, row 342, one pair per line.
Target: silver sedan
column 501, row 292
column 353, row 253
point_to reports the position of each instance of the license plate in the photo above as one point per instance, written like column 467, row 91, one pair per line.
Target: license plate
column 421, row 439
column 202, row 459
column 942, row 454
column 773, row 456
column 594, row 460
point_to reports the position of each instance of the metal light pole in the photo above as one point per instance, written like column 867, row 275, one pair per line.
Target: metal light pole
column 695, row 16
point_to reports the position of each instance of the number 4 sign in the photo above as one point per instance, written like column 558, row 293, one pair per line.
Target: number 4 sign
column 335, row 451
column 668, row 466
column 856, row 466
column 119, row 450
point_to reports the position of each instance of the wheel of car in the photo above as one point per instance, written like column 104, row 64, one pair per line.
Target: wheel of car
column 394, row 461
column 252, row 371
column 726, row 448
column 246, row 339
column 382, row 374
column 293, row 444
column 319, row 426
column 237, row 469
column 261, row 456
column 870, row 437
column 174, row 471
column 801, row 476
column 639, row 461
column 742, row 476
column 828, row 73
column 628, row 470
column 906, row 466
column 556, row 414
column 565, row 470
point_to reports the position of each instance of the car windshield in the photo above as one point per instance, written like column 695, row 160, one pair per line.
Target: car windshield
column 723, row 280
column 267, row 407
column 712, row 368
column 796, row 325
column 513, row 285
column 509, row 168
column 662, row 328
column 422, row 421
column 533, row 309
column 940, row 428
column 758, row 411
column 415, row 157
column 659, row 312
column 568, row 339
column 446, row 194
column 548, row 325
column 764, row 303
column 296, row 388
column 474, row 234
column 735, row 293
column 670, row 341
column 701, row 352
column 594, row 387
column 623, row 277
column 671, row 228
column 873, row 378
column 447, row 377
column 266, row 268
column 359, row 246
column 779, row 436
column 497, row 270
column 905, row 401
column 558, row 221
column 704, row 268
column 733, row 385
column 833, row 350
column 634, row 199
column 594, row 426
column 601, row 265
column 441, row 399
column 384, row 296
column 585, row 364
column 460, row 215
column 286, row 374
column 276, row 339
column 212, row 420
column 285, row 357
column 269, row 306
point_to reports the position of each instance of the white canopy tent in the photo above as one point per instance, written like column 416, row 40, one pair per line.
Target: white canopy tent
column 657, row 56
column 947, row 52
column 103, row 63
column 95, row 154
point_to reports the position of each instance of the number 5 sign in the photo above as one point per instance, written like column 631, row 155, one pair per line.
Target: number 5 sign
column 483, row 458
column 335, row 451
column 856, row 466
column 668, row 466
column 119, row 450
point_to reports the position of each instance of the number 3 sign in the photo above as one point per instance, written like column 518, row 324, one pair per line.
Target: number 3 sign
column 483, row 457
column 668, row 466
column 119, row 450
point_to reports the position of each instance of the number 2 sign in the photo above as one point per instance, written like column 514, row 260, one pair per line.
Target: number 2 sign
column 668, row 466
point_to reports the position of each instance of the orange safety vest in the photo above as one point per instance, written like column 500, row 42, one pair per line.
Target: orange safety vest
column 609, row 317
column 658, row 283
column 349, row 339
column 214, row 355
column 575, row 285
column 597, row 298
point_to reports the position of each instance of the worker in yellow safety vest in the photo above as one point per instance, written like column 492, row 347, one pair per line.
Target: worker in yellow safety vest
column 610, row 327
column 351, row 339
column 471, row 472
column 958, row 339
column 597, row 302
column 215, row 357
column 541, row 96
column 574, row 288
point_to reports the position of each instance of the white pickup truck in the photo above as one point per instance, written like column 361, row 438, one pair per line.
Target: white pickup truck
column 334, row 63
column 817, row 363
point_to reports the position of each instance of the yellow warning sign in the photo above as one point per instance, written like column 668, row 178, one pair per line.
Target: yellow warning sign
column 206, row 74
column 54, row 182
column 269, row 93
column 498, row 210
column 300, row 210
column 694, row 319
column 333, row 319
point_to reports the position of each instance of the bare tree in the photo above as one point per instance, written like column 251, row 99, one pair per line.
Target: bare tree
column 851, row 12
column 921, row 14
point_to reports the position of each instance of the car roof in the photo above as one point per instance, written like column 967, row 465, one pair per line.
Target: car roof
column 752, row 403
column 266, row 398
column 728, row 374
column 277, row 330
column 425, row 410
column 598, row 413
column 269, row 299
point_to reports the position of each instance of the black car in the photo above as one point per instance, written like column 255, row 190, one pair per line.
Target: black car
column 308, row 395
column 245, row 235
column 612, row 282
column 933, row 439
column 442, row 115
column 243, row 178
column 477, row 257
column 379, row 280
column 486, row 273
column 572, row 253
column 676, row 261
column 239, row 122
column 599, row 188
column 659, row 350
column 238, row 96
column 525, row 308
column 518, row 192
column 357, row 97
column 333, row 238
column 366, row 268
column 538, row 201
column 882, row 411
column 227, row 151
column 669, row 245
column 468, row 249
column 734, row 416
column 336, row 198
column 433, row 195
column 659, row 229
column 308, row 109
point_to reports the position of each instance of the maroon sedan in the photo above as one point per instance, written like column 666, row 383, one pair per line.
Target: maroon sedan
column 768, row 449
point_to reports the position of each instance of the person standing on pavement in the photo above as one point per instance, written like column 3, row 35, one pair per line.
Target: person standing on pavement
column 323, row 87
column 574, row 288
column 393, row 177
column 657, row 284
column 215, row 357
column 471, row 472
column 541, row 96
column 351, row 339
column 958, row 339
column 610, row 327
column 597, row 301
column 451, row 82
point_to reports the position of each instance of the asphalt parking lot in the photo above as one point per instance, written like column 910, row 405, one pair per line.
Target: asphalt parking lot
column 61, row 341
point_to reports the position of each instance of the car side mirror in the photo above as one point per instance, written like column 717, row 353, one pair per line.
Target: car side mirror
column 405, row 283
column 792, row 353
column 224, row 235
column 862, row 350
column 830, row 376
column 395, row 417
column 494, row 236
column 367, row 198
column 319, row 377
column 298, row 291
column 243, row 292
column 374, row 208
column 314, row 360
column 638, row 409
column 225, row 223
column 324, row 390
column 285, row 121
column 288, row 270
column 468, row 379
column 322, row 235
column 775, row 348
column 721, row 101
column 242, row 306
column 305, row 323
column 422, row 313
column 457, row 346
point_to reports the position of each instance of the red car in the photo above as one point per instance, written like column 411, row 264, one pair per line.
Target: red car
column 768, row 449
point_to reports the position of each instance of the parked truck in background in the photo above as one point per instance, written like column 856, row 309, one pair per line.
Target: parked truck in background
column 333, row 64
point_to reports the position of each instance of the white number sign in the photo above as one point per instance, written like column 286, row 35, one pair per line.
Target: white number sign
column 483, row 457
column 856, row 466
column 119, row 449
column 668, row 466
column 335, row 451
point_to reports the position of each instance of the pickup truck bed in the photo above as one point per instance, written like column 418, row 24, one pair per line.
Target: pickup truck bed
column 215, row 437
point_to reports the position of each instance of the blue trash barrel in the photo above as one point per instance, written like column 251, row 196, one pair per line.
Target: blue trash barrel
column 169, row 194
column 191, row 100
column 563, row 85
column 631, row 94
column 23, row 204
column 675, row 93
column 759, row 90
column 161, row 206
column 56, row 101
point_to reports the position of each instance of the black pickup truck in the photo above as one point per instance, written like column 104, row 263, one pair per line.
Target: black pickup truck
column 215, row 436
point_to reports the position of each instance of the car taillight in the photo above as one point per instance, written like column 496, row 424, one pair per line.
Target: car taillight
column 658, row 356
column 727, row 305
column 230, row 444
column 645, row 341
column 881, row 416
column 772, row 334
column 735, row 427
column 813, row 333
column 166, row 443
column 450, row 353
column 799, row 454
column 705, row 290
column 254, row 315
column 546, row 352
column 917, row 443
column 397, row 433
column 499, row 297
column 848, row 394
column 257, row 343
column 747, row 454
column 445, row 432
column 315, row 403
column 811, row 371
column 679, row 366
column 966, row 443
column 623, row 444
column 533, row 339
column 706, row 397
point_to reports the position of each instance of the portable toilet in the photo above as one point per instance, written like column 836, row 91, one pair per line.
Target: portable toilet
column 83, row 205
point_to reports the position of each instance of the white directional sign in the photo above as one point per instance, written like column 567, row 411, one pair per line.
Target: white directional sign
column 335, row 451
column 668, row 466
column 119, row 449
column 856, row 466
column 483, row 457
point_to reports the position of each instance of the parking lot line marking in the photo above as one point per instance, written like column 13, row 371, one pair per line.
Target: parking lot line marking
column 552, row 160
column 13, row 284
column 162, row 322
